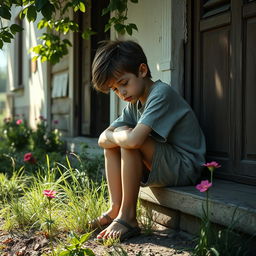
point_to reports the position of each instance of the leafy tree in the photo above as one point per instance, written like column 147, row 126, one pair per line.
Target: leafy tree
column 57, row 23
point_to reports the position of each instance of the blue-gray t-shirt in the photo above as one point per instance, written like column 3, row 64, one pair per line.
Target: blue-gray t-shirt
column 172, row 121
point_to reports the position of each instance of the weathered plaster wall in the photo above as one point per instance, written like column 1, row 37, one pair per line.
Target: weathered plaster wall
column 30, row 98
column 161, row 33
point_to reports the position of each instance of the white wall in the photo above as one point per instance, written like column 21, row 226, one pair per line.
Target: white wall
column 154, row 22
column 31, row 99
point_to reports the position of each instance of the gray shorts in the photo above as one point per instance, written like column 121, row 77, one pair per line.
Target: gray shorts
column 169, row 168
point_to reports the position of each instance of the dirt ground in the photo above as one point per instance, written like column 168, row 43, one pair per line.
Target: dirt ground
column 162, row 242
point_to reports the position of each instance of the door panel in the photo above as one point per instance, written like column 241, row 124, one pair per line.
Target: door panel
column 215, row 93
column 224, row 83
column 249, row 152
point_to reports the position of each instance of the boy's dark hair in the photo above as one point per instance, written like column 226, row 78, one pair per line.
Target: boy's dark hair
column 114, row 58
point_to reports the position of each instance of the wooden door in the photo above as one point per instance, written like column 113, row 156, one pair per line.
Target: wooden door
column 223, row 79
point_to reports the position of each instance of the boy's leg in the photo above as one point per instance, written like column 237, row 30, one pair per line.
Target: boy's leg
column 131, row 172
column 113, row 175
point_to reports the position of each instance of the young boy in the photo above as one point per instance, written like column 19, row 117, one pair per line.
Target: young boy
column 155, row 142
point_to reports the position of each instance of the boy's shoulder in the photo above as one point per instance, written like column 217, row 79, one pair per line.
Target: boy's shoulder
column 161, row 89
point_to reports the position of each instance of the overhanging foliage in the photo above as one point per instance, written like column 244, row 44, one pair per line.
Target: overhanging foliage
column 56, row 22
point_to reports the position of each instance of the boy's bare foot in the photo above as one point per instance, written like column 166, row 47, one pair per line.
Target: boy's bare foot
column 119, row 229
column 101, row 222
column 104, row 220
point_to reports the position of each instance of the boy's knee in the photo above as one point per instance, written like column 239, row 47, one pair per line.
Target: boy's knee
column 111, row 151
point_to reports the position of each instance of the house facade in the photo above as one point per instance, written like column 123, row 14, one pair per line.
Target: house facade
column 205, row 49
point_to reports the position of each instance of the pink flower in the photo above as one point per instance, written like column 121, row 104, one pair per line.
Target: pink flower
column 212, row 165
column 29, row 158
column 203, row 186
column 49, row 193
column 19, row 121
column 41, row 117
column 55, row 121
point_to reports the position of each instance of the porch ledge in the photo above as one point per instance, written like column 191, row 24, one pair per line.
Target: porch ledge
column 75, row 144
column 225, row 197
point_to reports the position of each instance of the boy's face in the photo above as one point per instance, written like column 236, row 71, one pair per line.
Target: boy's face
column 130, row 87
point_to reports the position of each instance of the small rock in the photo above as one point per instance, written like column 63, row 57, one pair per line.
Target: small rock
column 43, row 242
column 37, row 246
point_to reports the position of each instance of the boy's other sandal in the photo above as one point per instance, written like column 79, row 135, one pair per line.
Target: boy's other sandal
column 130, row 232
column 96, row 223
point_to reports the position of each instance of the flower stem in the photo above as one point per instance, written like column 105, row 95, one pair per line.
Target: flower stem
column 50, row 224
column 207, row 205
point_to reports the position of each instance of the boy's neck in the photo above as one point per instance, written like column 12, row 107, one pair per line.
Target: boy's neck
column 148, row 85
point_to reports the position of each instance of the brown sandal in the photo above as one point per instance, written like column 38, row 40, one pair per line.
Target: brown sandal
column 95, row 224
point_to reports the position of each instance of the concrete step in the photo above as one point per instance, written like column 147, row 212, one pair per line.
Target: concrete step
column 77, row 145
column 226, row 200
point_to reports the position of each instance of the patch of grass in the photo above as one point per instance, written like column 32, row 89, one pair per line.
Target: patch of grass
column 145, row 218
column 77, row 201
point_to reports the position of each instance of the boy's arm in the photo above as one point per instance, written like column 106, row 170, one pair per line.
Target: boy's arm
column 129, row 138
column 104, row 142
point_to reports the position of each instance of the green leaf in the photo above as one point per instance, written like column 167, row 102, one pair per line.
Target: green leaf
column 129, row 30
column 70, row 247
column 134, row 1
column 215, row 252
column 1, row 44
column 15, row 28
column 5, row 12
column 66, row 41
column 82, row 7
column 41, row 24
column 43, row 58
column 31, row 13
column 6, row 39
column 107, row 27
column 64, row 253
column 88, row 33
column 7, row 34
column 48, row 10
column 120, row 28
column 40, row 4
column 89, row 252
column 121, row 6
column 133, row 26
column 37, row 49
column 35, row 58
column 23, row 13
column 85, row 237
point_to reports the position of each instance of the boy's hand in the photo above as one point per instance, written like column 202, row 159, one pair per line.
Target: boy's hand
column 104, row 142
column 128, row 137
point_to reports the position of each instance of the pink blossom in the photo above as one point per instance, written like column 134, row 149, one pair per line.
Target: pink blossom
column 41, row 117
column 212, row 164
column 19, row 121
column 49, row 193
column 29, row 158
column 203, row 186
column 55, row 121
